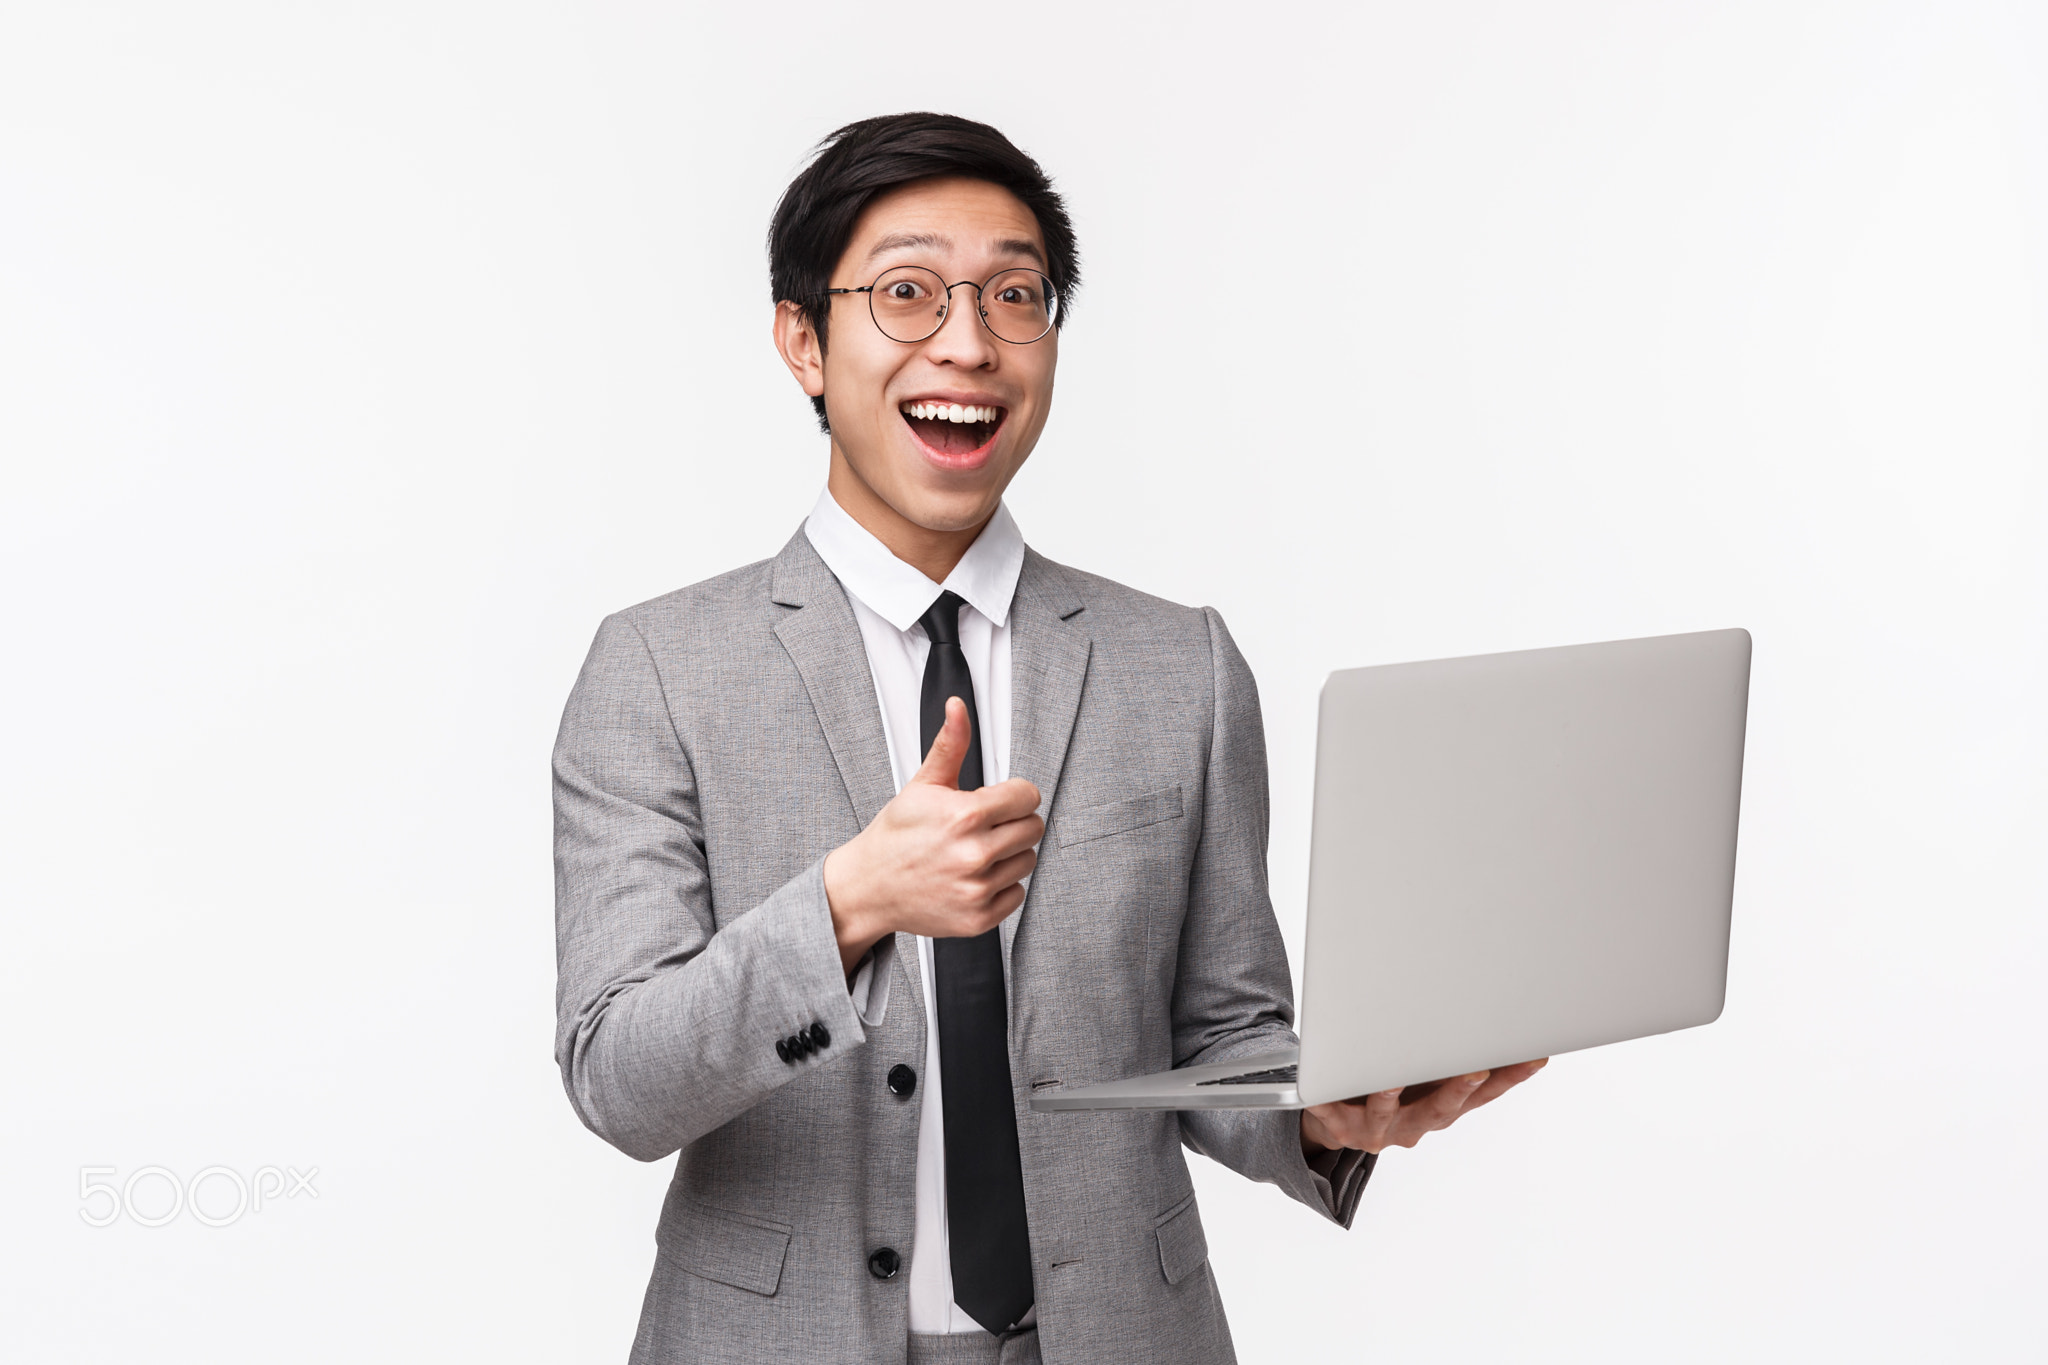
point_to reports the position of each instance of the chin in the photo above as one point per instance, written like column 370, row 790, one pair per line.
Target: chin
column 953, row 494
column 949, row 509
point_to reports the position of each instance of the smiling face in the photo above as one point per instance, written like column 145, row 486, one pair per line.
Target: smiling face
column 926, row 435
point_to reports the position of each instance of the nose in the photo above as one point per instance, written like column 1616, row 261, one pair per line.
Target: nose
column 962, row 339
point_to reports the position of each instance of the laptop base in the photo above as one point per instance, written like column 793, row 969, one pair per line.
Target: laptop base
column 1262, row 1082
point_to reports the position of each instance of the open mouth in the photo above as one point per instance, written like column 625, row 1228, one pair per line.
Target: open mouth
column 953, row 430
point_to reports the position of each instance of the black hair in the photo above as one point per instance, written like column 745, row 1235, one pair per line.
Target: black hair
column 814, row 218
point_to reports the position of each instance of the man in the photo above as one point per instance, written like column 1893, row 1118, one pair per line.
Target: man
column 859, row 847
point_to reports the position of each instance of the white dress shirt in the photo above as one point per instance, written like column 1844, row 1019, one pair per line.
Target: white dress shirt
column 888, row 597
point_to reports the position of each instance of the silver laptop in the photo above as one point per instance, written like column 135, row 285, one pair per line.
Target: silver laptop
column 1513, row 856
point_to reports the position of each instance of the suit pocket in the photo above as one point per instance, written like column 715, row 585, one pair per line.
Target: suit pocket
column 732, row 1248
column 1182, row 1247
column 1119, row 817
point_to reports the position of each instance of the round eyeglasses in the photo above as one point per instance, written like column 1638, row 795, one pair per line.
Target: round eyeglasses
column 909, row 303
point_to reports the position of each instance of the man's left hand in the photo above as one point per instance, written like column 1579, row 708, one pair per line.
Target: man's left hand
column 1399, row 1118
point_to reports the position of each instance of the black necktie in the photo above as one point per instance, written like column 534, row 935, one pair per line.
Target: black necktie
column 984, row 1173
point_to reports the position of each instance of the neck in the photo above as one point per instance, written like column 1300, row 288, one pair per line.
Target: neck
column 932, row 553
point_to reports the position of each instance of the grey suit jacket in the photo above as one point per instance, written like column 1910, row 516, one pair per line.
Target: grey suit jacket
column 720, row 742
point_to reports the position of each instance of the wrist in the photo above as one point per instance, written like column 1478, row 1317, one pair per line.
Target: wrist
column 854, row 925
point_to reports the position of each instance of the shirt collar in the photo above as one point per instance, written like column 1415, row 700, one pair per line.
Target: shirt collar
column 985, row 577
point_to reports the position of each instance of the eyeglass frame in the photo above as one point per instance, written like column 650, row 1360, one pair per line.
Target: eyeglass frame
column 1052, row 292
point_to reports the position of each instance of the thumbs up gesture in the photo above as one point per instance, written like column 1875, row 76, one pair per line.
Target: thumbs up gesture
column 936, row 860
column 949, row 750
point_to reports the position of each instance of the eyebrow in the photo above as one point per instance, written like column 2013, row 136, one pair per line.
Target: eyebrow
column 1018, row 246
column 898, row 241
column 932, row 241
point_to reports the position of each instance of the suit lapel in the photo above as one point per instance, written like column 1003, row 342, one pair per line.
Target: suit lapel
column 824, row 642
column 1050, row 645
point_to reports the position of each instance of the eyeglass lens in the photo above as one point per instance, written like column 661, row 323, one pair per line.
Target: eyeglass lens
column 909, row 304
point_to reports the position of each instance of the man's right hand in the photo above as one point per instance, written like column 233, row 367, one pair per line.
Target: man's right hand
column 936, row 860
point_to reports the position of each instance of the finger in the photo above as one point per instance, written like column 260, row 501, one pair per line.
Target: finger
column 1421, row 1090
column 980, row 916
column 1361, row 1123
column 1502, row 1080
column 1013, row 869
column 1372, row 1119
column 1000, row 905
column 1007, row 839
column 1007, row 801
column 941, row 766
column 1327, row 1125
column 1442, row 1107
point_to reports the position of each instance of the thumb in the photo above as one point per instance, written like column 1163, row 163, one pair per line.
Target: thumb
column 949, row 749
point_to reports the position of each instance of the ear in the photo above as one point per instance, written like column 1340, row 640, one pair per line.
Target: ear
column 797, row 341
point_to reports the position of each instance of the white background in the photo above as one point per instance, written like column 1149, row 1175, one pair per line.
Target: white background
column 355, row 360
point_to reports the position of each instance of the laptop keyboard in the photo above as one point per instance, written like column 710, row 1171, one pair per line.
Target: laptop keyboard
column 1271, row 1076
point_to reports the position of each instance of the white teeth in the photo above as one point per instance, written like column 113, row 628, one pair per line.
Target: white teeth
column 951, row 412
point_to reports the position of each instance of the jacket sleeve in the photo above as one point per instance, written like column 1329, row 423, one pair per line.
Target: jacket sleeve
column 1232, row 996
column 666, row 1024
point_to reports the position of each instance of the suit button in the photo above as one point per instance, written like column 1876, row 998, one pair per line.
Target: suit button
column 819, row 1035
column 782, row 1049
column 884, row 1264
column 902, row 1081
